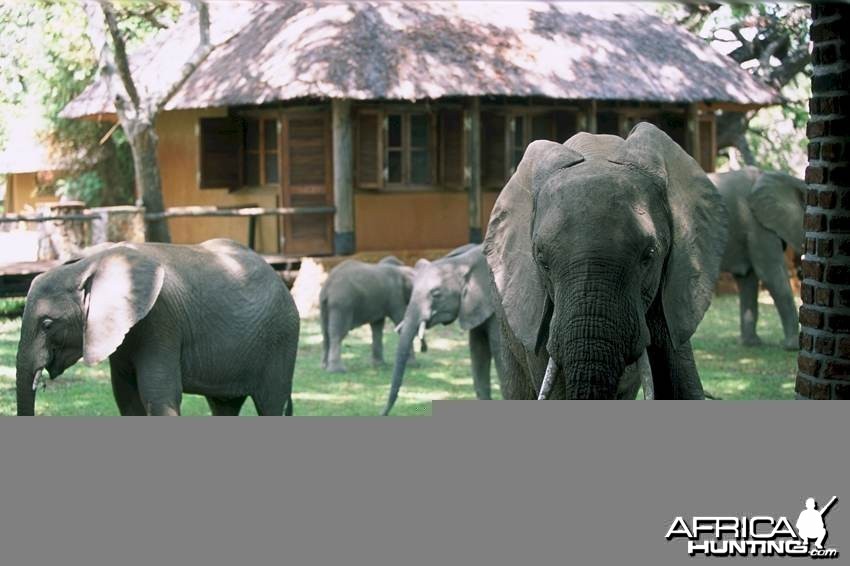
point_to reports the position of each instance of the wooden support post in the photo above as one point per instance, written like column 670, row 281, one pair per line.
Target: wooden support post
column 343, row 176
column 591, row 118
column 252, row 232
column 623, row 125
column 9, row 205
column 476, row 234
column 693, row 131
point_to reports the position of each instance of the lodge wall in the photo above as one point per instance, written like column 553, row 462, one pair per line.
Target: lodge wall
column 395, row 205
column 21, row 192
column 178, row 158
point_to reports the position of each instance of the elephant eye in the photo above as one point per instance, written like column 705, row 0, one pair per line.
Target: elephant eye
column 649, row 253
column 435, row 293
column 542, row 263
column 46, row 323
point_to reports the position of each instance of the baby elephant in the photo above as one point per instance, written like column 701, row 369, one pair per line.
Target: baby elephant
column 358, row 293
column 212, row 319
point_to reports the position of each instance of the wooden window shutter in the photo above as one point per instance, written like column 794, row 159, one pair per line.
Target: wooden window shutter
column 220, row 152
column 369, row 164
column 493, row 149
column 452, row 149
column 566, row 125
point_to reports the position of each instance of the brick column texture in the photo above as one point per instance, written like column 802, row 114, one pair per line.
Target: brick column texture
column 823, row 365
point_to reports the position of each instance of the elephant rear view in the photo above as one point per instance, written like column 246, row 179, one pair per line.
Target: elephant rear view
column 766, row 210
column 454, row 287
column 212, row 319
column 358, row 293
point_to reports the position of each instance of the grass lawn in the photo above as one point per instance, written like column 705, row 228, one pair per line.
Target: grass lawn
column 728, row 370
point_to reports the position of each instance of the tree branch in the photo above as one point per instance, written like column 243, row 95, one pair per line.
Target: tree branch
column 97, row 36
column 201, row 52
column 120, row 52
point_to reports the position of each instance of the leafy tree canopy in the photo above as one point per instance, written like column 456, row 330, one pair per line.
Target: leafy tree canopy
column 46, row 59
column 771, row 41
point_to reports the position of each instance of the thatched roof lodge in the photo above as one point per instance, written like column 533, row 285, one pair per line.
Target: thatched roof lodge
column 409, row 117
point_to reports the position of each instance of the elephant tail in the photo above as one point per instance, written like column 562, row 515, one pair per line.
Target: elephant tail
column 323, row 318
column 287, row 408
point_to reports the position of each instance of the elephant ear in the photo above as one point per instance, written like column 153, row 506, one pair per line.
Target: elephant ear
column 476, row 299
column 507, row 246
column 699, row 226
column 119, row 289
column 777, row 200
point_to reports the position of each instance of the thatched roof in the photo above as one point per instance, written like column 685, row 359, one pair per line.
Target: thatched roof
column 370, row 50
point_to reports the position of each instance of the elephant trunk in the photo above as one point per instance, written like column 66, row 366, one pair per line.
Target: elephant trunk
column 590, row 341
column 25, row 388
column 409, row 329
column 31, row 360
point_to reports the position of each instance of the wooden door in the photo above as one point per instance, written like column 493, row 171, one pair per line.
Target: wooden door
column 307, row 181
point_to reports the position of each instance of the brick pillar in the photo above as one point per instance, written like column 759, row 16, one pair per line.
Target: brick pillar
column 824, row 359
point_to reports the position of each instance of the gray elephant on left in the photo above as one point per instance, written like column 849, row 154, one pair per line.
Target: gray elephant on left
column 212, row 319
column 358, row 293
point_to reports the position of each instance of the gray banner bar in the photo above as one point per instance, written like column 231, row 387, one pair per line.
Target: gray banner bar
column 478, row 483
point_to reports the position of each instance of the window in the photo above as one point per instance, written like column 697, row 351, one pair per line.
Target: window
column 505, row 135
column 397, row 149
column 260, row 162
column 408, row 150
column 220, row 143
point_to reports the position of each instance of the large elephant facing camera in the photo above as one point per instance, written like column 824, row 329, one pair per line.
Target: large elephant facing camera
column 454, row 287
column 212, row 319
column 766, row 210
column 603, row 251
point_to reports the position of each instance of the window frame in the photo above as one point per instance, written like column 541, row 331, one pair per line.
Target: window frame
column 509, row 114
column 261, row 152
column 406, row 184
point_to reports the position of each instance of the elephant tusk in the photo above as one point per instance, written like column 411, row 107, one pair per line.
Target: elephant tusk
column 398, row 326
column 36, row 379
column 423, row 346
column 646, row 376
column 548, row 379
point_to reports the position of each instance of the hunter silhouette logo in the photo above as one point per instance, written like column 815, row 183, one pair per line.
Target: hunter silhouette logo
column 759, row 535
column 810, row 524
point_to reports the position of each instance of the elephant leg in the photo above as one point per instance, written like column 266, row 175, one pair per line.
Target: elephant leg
column 124, row 387
column 674, row 372
column 325, row 340
column 515, row 383
column 274, row 396
column 775, row 277
column 220, row 406
column 494, row 338
column 378, row 342
column 159, row 378
column 479, row 349
column 748, row 298
column 337, row 329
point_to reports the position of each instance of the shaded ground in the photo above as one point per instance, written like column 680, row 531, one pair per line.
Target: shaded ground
column 728, row 371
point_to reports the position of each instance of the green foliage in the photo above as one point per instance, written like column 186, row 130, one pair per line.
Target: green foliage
column 728, row 371
column 771, row 41
column 45, row 61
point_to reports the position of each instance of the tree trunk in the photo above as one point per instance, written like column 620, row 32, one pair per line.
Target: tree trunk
column 143, row 142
